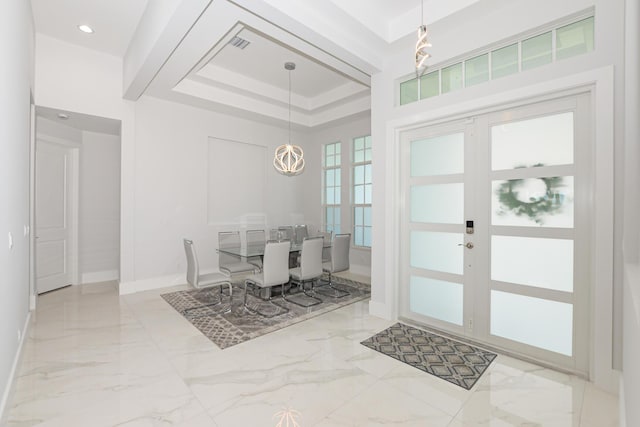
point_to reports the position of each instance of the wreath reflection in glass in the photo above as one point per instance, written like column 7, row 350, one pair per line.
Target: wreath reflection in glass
column 531, row 197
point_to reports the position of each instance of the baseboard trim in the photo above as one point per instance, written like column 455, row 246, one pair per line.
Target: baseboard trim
column 360, row 270
column 100, row 276
column 150, row 284
column 8, row 391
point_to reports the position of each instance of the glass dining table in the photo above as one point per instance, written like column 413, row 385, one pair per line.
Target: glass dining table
column 255, row 250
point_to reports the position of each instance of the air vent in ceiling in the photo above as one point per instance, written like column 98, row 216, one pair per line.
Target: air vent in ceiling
column 239, row 42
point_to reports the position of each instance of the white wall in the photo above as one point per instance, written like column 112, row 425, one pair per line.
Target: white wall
column 77, row 79
column 630, row 387
column 74, row 78
column 170, row 177
column 99, row 210
column 16, row 74
column 360, row 259
column 472, row 29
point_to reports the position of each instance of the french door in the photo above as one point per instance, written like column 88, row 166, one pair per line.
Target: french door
column 495, row 229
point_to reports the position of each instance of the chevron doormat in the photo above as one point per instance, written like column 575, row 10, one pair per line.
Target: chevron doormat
column 453, row 361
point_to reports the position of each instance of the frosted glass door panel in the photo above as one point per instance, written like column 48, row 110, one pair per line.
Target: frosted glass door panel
column 543, row 263
column 436, row 298
column 441, row 203
column 541, row 141
column 533, row 202
column 533, row 321
column 437, row 251
column 440, row 155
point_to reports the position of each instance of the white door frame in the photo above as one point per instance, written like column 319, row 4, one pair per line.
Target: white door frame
column 430, row 131
column 32, row 209
column 601, row 84
column 476, row 274
column 74, row 202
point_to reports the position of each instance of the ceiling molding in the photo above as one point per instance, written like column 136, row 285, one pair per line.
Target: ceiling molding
column 259, row 90
column 341, row 53
column 159, row 33
column 216, row 97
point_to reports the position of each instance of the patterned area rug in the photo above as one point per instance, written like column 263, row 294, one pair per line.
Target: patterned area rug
column 239, row 325
column 453, row 361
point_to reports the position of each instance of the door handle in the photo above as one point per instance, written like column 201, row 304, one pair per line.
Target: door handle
column 469, row 245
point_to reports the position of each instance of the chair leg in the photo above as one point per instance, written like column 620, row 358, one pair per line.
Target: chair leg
column 337, row 292
column 315, row 300
column 228, row 310
column 261, row 313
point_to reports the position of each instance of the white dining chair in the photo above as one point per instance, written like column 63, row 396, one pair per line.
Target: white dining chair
column 339, row 262
column 203, row 281
column 286, row 231
column 255, row 238
column 300, row 232
column 309, row 271
column 275, row 272
column 327, row 236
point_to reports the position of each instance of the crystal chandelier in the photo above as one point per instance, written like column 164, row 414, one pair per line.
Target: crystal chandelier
column 422, row 44
column 288, row 158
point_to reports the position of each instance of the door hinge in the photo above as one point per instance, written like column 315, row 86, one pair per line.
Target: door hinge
column 470, row 324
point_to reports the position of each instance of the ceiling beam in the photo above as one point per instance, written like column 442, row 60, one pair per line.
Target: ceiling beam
column 163, row 26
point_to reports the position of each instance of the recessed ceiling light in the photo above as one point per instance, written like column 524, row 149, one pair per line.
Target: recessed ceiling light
column 63, row 116
column 85, row 29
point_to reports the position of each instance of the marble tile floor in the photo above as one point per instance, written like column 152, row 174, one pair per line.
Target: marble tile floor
column 96, row 359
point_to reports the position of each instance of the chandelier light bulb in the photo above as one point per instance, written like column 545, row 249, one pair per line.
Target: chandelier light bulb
column 421, row 48
column 421, row 45
column 289, row 160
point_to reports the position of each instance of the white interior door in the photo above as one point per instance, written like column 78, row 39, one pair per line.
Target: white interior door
column 519, row 280
column 53, row 216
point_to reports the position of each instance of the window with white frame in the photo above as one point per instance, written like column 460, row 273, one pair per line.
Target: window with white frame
column 362, row 191
column 548, row 44
column 331, row 181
